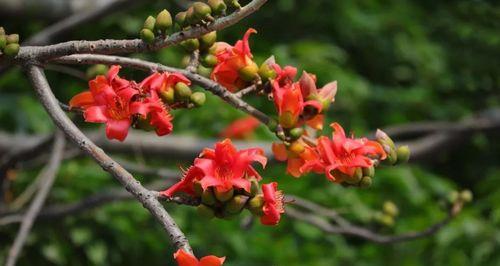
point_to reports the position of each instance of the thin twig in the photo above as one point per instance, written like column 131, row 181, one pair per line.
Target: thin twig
column 194, row 61
column 48, row 176
column 246, row 91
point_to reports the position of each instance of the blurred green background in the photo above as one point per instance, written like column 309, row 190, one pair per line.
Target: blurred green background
column 395, row 61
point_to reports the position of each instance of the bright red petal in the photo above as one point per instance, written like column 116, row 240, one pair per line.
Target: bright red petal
column 185, row 259
column 212, row 261
column 117, row 129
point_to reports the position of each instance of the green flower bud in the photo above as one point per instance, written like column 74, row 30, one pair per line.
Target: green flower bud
column 453, row 196
column 12, row 38
column 390, row 208
column 392, row 157
column 190, row 45
column 212, row 49
column 209, row 60
column 182, row 91
column 466, row 196
column 198, row 98
column 204, row 71
column 205, row 211
column 254, row 205
column 96, row 70
column 266, row 72
column 236, row 204
column 207, row 197
column 287, row 120
column 403, row 154
column 355, row 178
column 272, row 125
column 180, row 19
column 163, row 21
column 254, row 188
column 198, row 188
column 387, row 220
column 383, row 138
column 207, row 40
column 2, row 31
column 296, row 133
column 218, row 7
column 11, row 49
column 3, row 41
column 147, row 36
column 233, row 3
column 191, row 19
column 149, row 23
column 224, row 196
column 168, row 95
column 202, row 10
column 369, row 171
column 249, row 73
column 365, row 182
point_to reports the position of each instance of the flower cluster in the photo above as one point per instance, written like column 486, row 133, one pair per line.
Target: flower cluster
column 225, row 182
column 185, row 259
column 120, row 103
column 9, row 43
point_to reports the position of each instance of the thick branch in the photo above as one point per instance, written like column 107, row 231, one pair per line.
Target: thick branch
column 145, row 196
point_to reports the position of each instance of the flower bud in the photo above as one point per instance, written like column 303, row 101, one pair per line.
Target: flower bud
column 453, row 196
column 218, row 7
column 254, row 187
column 204, row 71
column 191, row 19
column 149, row 23
column 383, row 138
column 202, row 11
column 205, row 211
column 198, row 188
column 224, row 196
column 96, row 70
column 236, row 204
column 369, row 171
column 147, row 36
column 180, row 19
column 2, row 31
column 272, row 125
column 390, row 208
column 296, row 133
column 466, row 196
column 266, row 72
column 255, row 204
column 207, row 197
column 392, row 156
column 11, row 49
column 296, row 147
column 287, row 120
column 163, row 21
column 212, row 50
column 403, row 154
column 387, row 220
column 168, row 95
column 3, row 41
column 249, row 72
column 355, row 178
column 207, row 40
column 209, row 60
column 198, row 98
column 365, row 182
column 182, row 91
column 190, row 44
column 12, row 38
column 233, row 3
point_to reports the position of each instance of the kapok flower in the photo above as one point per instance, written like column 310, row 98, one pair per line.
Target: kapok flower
column 109, row 101
column 342, row 155
column 231, row 60
column 222, row 168
column 241, row 128
column 163, row 83
column 183, row 258
column 273, row 204
column 157, row 114
column 296, row 159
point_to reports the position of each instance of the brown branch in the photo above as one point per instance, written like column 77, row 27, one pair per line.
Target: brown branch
column 145, row 196
column 48, row 175
column 194, row 61
column 246, row 91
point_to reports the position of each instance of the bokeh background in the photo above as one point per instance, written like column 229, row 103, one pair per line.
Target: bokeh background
column 396, row 62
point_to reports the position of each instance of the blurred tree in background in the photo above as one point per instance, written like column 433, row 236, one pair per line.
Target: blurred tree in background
column 395, row 62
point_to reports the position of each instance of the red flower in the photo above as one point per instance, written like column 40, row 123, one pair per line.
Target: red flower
column 109, row 101
column 273, row 204
column 344, row 154
column 223, row 168
column 157, row 113
column 183, row 258
column 289, row 103
column 296, row 162
column 241, row 128
column 162, row 82
column 230, row 60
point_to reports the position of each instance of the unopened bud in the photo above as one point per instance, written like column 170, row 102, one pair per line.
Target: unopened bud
column 2, row 31
column 3, row 41
column 12, row 38
column 96, row 70
column 212, row 50
column 390, row 208
column 254, row 187
column 182, row 91
column 466, row 196
column 191, row 19
column 204, row 71
column 383, row 138
column 365, row 182
column 205, row 211
column 190, row 44
column 355, row 178
column 207, row 197
column 249, row 72
column 387, row 220
column 218, row 7
column 272, row 125
column 255, row 205
column 369, row 171
column 147, row 36
column 168, row 95
column 453, row 196
column 296, row 133
column 149, row 23
column 198, row 98
column 163, row 21
column 403, row 154
column 207, row 40
column 11, row 49
column 180, row 19
column 224, row 196
column 236, row 204
column 392, row 157
column 233, row 3
column 266, row 72
column 202, row 10
column 296, row 147
column 209, row 60
column 287, row 120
